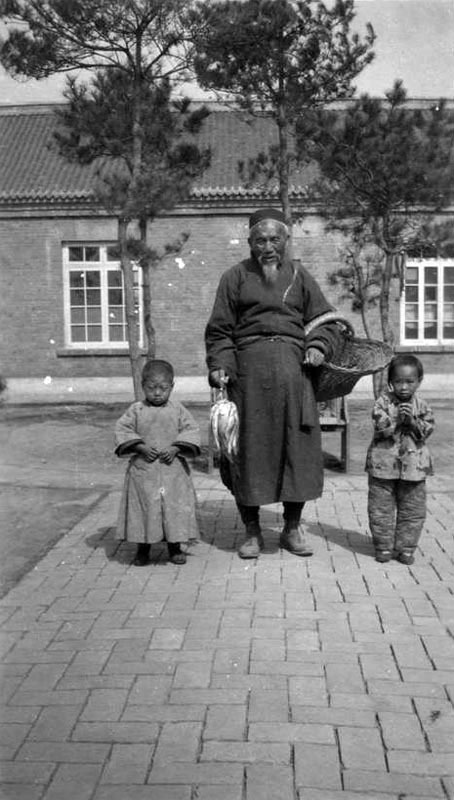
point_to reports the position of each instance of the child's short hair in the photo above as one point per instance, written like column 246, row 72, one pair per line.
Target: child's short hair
column 157, row 365
column 405, row 360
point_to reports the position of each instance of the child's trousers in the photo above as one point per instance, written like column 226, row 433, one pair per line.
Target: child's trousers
column 397, row 511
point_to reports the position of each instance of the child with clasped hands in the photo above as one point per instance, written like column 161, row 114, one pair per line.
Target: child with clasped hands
column 158, row 500
column 398, row 461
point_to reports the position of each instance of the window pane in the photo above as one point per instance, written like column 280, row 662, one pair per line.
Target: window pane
column 411, row 312
column 93, row 277
column 93, row 297
column 77, row 333
column 430, row 330
column 94, row 333
column 115, row 297
column 76, row 278
column 449, row 274
column 448, row 331
column 94, row 314
column 92, row 254
column 114, row 277
column 113, row 253
column 78, row 316
column 116, row 333
column 430, row 312
column 411, row 294
column 411, row 330
column 430, row 275
column 116, row 316
column 411, row 275
column 77, row 297
column 76, row 253
column 448, row 312
column 449, row 292
column 430, row 293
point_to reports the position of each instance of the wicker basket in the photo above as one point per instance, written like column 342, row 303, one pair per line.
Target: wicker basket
column 352, row 359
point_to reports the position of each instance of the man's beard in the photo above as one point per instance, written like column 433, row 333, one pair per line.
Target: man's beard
column 270, row 272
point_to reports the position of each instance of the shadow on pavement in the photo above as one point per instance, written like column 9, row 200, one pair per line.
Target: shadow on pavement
column 224, row 530
column 104, row 539
column 120, row 551
column 349, row 539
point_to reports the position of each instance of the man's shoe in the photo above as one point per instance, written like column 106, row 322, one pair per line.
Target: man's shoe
column 406, row 557
column 383, row 556
column 292, row 539
column 252, row 547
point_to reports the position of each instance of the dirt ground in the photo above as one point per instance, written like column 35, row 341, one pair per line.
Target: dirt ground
column 58, row 461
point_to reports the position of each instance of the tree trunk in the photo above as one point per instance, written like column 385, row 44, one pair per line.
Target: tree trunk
column 130, row 310
column 379, row 378
column 146, row 286
column 387, row 331
column 148, row 324
column 361, row 294
column 378, row 383
column 282, row 124
column 366, row 328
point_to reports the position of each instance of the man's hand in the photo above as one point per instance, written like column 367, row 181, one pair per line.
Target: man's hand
column 218, row 378
column 147, row 452
column 314, row 357
column 168, row 455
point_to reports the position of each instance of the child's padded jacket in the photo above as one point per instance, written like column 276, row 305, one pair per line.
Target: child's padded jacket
column 394, row 452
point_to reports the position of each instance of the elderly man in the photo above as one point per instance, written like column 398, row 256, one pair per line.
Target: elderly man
column 256, row 345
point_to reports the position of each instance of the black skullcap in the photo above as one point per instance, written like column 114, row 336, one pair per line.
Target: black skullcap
column 266, row 213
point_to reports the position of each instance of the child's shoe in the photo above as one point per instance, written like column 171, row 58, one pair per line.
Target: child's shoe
column 383, row 555
column 176, row 555
column 406, row 557
column 143, row 555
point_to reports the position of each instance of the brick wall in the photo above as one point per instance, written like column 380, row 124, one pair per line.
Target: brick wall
column 183, row 287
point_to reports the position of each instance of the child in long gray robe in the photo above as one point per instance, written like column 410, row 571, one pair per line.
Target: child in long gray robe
column 158, row 500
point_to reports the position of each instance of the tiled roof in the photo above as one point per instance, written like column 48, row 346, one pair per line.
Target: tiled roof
column 33, row 172
column 31, row 169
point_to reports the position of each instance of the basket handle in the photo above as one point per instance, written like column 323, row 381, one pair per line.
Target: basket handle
column 329, row 316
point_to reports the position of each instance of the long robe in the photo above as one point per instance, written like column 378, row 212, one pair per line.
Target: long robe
column 256, row 334
column 158, row 500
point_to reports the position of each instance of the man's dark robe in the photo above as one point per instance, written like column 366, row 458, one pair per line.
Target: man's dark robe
column 256, row 335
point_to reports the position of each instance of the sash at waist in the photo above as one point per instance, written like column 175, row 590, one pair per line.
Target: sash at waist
column 246, row 341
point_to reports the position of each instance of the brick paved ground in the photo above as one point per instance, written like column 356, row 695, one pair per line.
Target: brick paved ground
column 330, row 678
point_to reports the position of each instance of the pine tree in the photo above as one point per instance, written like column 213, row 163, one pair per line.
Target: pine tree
column 279, row 58
column 386, row 169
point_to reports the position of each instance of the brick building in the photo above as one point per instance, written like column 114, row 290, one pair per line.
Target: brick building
column 61, row 308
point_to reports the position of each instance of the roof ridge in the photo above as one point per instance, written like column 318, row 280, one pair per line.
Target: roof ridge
column 29, row 109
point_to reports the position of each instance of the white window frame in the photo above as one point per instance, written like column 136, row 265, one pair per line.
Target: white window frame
column 104, row 265
column 420, row 264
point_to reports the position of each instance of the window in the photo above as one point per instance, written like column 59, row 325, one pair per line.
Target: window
column 428, row 302
column 94, row 297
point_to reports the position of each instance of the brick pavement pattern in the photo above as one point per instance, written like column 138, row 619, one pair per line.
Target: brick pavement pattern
column 329, row 678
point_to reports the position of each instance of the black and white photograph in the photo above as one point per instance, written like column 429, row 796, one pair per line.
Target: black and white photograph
column 227, row 399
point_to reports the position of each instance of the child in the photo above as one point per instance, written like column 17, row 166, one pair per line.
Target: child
column 398, row 461
column 158, row 500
